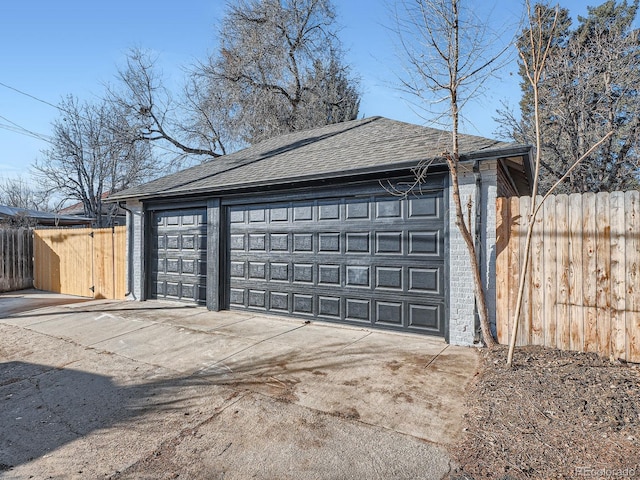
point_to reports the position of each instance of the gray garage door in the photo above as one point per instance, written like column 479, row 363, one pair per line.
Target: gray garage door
column 374, row 261
column 179, row 255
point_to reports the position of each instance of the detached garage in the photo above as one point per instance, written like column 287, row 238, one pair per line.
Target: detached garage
column 306, row 225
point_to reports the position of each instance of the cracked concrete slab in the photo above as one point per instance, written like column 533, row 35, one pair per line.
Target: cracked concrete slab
column 156, row 389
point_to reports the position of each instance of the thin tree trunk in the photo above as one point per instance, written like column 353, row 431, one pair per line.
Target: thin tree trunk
column 479, row 293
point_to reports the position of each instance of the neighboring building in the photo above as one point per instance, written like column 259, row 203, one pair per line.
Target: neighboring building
column 303, row 225
column 34, row 218
column 112, row 215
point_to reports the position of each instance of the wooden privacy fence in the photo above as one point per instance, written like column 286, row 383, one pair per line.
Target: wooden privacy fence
column 16, row 264
column 583, row 287
column 81, row 261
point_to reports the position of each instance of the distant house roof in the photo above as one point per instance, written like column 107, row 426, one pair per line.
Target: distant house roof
column 78, row 208
column 43, row 218
column 75, row 209
column 345, row 149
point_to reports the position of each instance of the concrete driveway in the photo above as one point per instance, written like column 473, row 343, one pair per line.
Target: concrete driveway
column 110, row 389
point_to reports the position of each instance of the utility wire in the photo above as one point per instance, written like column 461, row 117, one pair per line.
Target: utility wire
column 57, row 107
column 14, row 127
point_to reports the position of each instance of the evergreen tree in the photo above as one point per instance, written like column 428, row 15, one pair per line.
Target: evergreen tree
column 589, row 87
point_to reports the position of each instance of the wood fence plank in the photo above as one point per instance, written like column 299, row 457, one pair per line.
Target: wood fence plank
column 17, row 256
column 40, row 261
column 618, row 276
column 4, row 254
column 550, row 267
column 563, row 312
column 575, row 273
column 632, row 215
column 120, row 258
column 36, row 254
column 12, row 249
column 537, row 279
column 4, row 277
column 514, row 259
column 502, row 269
column 589, row 272
column 524, row 332
column 603, row 270
column 103, row 263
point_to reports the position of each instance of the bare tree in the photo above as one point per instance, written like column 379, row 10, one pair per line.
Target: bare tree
column 535, row 49
column 279, row 69
column 18, row 192
column 92, row 154
column 186, row 127
column 449, row 54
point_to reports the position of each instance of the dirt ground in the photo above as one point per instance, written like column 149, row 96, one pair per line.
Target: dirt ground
column 554, row 415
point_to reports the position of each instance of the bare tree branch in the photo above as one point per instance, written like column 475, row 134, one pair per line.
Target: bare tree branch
column 449, row 56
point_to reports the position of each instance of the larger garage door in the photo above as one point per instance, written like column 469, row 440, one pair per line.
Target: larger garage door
column 374, row 261
column 179, row 255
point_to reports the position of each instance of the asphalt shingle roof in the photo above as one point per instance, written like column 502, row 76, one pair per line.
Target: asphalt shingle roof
column 46, row 218
column 330, row 151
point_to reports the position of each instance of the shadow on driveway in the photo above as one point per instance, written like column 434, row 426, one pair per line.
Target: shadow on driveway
column 12, row 303
column 44, row 408
column 131, row 390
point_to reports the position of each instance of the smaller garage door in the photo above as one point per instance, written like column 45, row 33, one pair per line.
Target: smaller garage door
column 179, row 255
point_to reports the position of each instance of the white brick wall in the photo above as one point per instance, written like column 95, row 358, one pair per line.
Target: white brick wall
column 461, row 296
column 135, row 235
column 489, row 196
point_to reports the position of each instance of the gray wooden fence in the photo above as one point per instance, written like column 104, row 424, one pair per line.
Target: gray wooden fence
column 16, row 259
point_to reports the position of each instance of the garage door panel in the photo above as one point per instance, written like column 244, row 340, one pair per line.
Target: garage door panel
column 426, row 280
column 237, row 242
column 302, row 242
column 425, row 317
column 358, row 210
column 328, row 211
column 425, row 243
column 330, row 275
column 389, row 278
column 257, row 299
column 303, row 213
column 357, row 243
column 330, row 307
column 238, row 270
column 303, row 273
column 279, row 242
column 358, row 276
column 376, row 261
column 237, row 297
column 358, row 310
column 279, row 214
column 389, row 243
column 388, row 209
column 389, row 313
column 279, row 301
column 328, row 242
column 428, row 206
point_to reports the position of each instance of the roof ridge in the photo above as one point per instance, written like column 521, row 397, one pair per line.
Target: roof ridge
column 357, row 145
column 275, row 151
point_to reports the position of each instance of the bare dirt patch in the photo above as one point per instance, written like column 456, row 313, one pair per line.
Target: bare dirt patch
column 554, row 415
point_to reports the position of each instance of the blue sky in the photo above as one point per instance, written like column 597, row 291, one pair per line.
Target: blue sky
column 53, row 48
